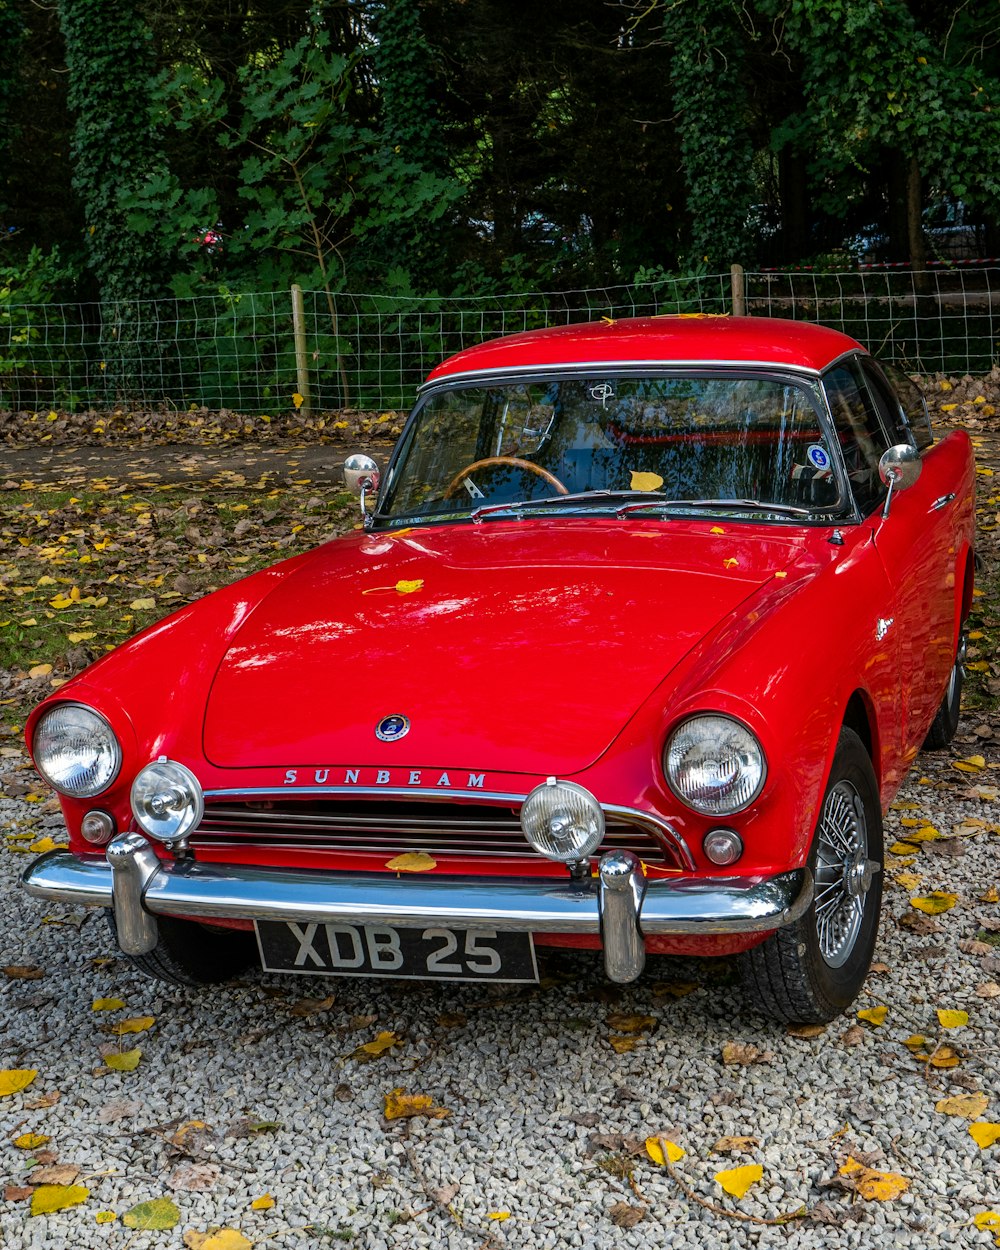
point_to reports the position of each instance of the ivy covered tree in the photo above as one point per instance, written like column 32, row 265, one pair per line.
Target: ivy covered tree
column 115, row 146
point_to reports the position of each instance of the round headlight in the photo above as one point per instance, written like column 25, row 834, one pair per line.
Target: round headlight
column 75, row 750
column 562, row 820
column 167, row 800
column 714, row 764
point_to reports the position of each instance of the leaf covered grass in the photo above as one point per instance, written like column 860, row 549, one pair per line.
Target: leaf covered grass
column 83, row 569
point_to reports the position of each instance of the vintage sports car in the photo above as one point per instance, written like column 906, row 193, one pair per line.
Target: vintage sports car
column 646, row 624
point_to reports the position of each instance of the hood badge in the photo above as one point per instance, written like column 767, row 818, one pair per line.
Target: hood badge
column 392, row 728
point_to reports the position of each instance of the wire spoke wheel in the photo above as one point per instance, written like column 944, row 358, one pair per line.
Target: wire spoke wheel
column 843, row 873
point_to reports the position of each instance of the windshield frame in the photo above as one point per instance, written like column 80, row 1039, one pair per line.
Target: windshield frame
column 842, row 511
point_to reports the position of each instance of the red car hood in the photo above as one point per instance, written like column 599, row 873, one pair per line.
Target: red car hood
column 515, row 647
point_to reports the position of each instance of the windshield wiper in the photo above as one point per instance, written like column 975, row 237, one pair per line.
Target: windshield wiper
column 552, row 501
column 742, row 505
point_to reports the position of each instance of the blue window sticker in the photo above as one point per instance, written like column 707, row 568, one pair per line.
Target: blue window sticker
column 818, row 456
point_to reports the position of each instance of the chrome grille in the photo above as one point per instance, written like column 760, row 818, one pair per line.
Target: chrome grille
column 390, row 828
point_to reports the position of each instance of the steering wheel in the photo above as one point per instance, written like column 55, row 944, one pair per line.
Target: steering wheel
column 517, row 463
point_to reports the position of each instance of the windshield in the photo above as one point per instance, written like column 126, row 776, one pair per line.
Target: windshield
column 724, row 443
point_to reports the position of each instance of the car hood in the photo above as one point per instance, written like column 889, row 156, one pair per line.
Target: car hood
column 509, row 646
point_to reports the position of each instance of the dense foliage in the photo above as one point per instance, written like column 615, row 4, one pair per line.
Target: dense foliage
column 461, row 146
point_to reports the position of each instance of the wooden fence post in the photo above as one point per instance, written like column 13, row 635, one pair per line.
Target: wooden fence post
column 739, row 290
column 301, row 355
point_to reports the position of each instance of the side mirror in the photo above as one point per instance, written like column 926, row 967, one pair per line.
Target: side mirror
column 361, row 477
column 898, row 468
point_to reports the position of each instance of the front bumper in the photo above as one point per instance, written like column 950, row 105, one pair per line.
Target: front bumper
column 621, row 904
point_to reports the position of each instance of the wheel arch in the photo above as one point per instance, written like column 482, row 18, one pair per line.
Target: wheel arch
column 859, row 715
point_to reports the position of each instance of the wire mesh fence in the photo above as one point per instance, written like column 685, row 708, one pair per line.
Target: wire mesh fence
column 238, row 351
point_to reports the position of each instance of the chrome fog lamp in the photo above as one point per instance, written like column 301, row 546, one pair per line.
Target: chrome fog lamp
column 167, row 801
column 562, row 821
column 722, row 846
column 75, row 750
column 714, row 764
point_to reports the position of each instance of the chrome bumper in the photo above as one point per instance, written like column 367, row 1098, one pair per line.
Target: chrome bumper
column 622, row 905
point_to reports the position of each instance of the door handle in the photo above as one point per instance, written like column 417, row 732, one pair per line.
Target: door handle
column 942, row 502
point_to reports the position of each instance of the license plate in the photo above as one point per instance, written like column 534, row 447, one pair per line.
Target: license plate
column 433, row 954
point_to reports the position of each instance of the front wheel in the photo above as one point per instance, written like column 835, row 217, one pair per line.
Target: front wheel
column 189, row 953
column 811, row 971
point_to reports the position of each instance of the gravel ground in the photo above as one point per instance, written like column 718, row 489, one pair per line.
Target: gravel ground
column 547, row 1120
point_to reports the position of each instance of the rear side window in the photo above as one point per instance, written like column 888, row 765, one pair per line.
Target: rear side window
column 860, row 431
column 914, row 423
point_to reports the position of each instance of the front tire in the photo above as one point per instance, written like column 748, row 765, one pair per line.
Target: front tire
column 945, row 723
column 811, row 971
column 192, row 954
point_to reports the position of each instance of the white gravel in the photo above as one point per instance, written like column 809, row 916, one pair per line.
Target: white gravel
column 539, row 1099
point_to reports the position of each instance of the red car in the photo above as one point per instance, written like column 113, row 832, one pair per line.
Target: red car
column 646, row 624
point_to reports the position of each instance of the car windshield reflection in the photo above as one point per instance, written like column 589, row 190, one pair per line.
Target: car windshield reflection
column 615, row 444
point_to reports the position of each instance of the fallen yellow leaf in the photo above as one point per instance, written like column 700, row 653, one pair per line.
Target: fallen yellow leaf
column 12, row 1080
column 40, row 670
column 383, row 1042
column 935, row 903
column 498, row 1215
column 124, row 1061
column 874, row 1015
column 85, row 636
column 105, row 1217
column 661, row 1149
column 264, row 1203
column 412, row 861
column 142, row 605
column 216, row 1239
column 952, row 1019
column 985, row 1135
column 737, row 1181
column 873, row 1185
column 31, row 1141
column 107, row 1004
column 966, row 1106
column 156, row 1213
column 631, row 1024
column 400, row 1106
column 136, row 1024
column 989, row 1220
column 47, row 1198
column 908, row 880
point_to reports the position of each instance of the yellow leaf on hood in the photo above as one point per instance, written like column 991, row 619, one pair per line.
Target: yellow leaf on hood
column 661, row 1148
column 645, row 481
column 412, row 861
column 966, row 1106
column 12, row 1080
column 48, row 1198
column 407, row 588
column 984, row 1135
column 737, row 1181
column 952, row 1019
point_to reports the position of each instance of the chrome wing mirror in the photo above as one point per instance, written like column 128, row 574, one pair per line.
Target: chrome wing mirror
column 361, row 477
column 898, row 468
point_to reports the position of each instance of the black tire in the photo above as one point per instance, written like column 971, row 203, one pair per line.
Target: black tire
column 945, row 723
column 189, row 953
column 811, row 971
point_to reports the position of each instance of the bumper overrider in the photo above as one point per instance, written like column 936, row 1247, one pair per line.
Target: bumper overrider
column 621, row 904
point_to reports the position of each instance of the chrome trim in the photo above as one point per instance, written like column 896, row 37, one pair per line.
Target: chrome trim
column 133, row 864
column 592, row 366
column 942, row 501
column 619, row 900
column 186, row 888
column 648, row 820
